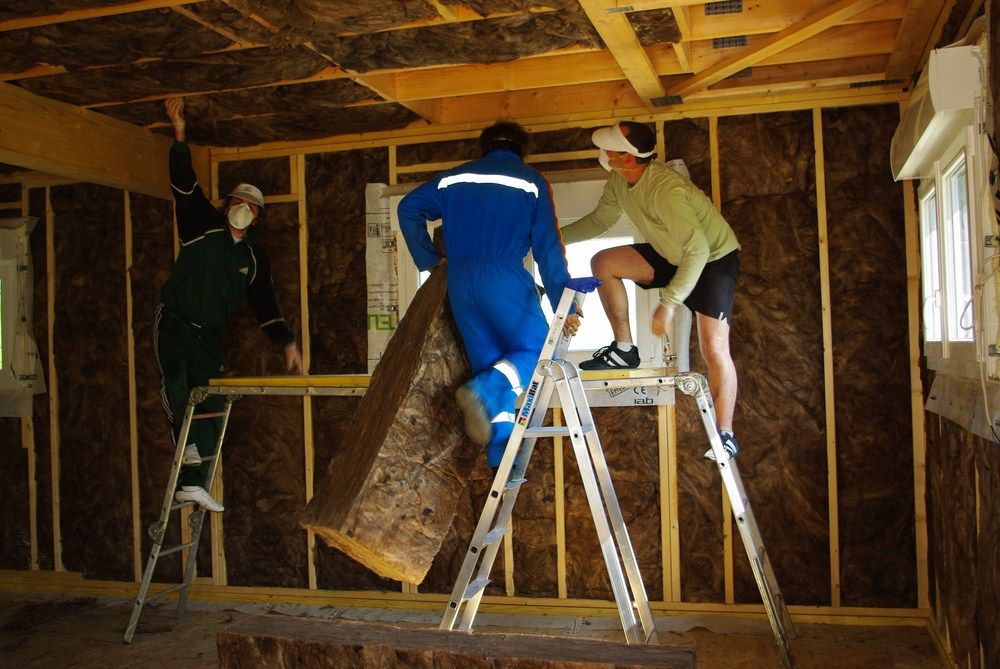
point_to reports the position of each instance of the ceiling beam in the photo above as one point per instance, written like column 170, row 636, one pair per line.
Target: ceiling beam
column 813, row 25
column 913, row 37
column 90, row 13
column 61, row 139
column 682, row 47
column 620, row 38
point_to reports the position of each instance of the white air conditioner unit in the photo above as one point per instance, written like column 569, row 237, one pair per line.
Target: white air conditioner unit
column 941, row 106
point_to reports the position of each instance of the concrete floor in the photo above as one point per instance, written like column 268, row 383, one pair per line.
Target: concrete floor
column 57, row 631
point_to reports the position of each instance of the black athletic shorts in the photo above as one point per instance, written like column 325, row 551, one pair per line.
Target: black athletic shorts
column 712, row 295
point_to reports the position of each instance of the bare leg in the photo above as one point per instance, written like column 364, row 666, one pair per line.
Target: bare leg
column 611, row 266
column 713, row 339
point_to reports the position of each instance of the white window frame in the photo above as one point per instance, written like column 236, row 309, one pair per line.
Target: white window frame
column 8, row 317
column 961, row 358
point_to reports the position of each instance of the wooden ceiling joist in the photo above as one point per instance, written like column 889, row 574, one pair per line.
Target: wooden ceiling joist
column 620, row 38
column 816, row 23
column 60, row 139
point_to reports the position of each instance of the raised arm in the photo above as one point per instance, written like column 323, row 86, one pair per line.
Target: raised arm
column 195, row 214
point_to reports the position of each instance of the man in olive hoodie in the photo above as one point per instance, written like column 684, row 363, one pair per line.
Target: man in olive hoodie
column 218, row 267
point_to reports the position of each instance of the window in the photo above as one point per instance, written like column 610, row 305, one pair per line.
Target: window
column 949, row 224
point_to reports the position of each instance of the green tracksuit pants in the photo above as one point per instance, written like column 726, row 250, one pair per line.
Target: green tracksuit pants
column 189, row 357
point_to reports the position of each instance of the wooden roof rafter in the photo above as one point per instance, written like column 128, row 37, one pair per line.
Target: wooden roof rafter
column 913, row 40
column 90, row 13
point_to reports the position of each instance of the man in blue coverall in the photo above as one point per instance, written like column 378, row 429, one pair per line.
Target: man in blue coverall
column 494, row 210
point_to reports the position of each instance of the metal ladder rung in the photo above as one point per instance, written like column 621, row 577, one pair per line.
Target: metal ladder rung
column 181, row 505
column 178, row 547
column 514, row 485
column 494, row 535
column 202, row 416
column 166, row 591
column 475, row 588
column 554, row 431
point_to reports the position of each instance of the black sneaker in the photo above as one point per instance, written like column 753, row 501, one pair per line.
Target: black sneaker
column 728, row 443
column 612, row 357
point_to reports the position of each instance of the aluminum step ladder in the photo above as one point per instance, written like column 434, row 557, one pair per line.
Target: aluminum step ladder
column 696, row 386
column 158, row 530
column 554, row 374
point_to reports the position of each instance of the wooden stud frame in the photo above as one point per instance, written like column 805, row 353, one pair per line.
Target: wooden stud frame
column 216, row 588
column 825, row 307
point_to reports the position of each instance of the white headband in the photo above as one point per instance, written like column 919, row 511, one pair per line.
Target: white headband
column 612, row 138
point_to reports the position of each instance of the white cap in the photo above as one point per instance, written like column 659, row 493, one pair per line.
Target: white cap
column 612, row 138
column 250, row 193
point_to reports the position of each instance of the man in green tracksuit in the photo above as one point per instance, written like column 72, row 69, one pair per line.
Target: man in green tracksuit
column 691, row 255
column 217, row 268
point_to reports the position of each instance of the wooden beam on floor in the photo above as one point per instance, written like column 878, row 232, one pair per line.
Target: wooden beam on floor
column 621, row 40
column 813, row 25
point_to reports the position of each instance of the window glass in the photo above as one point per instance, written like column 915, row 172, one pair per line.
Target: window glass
column 930, row 266
column 958, row 266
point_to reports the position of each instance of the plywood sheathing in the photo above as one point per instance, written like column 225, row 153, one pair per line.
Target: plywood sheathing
column 264, row 473
column 91, row 362
column 40, row 415
column 110, row 40
column 655, row 26
column 152, row 258
column 492, row 41
column 204, row 73
column 768, row 196
column 871, row 366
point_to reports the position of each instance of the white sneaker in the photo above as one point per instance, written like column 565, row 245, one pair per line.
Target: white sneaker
column 199, row 496
column 191, row 455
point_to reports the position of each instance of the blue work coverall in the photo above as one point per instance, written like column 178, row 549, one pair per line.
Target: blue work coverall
column 494, row 210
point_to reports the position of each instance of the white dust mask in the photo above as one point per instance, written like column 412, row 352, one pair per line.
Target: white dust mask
column 240, row 216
